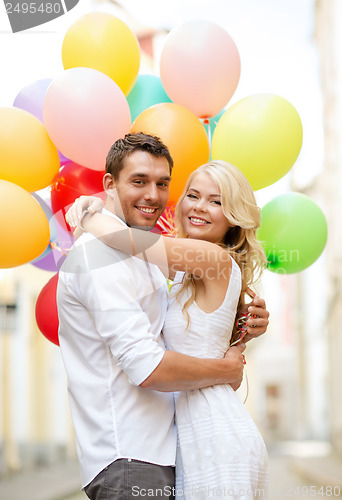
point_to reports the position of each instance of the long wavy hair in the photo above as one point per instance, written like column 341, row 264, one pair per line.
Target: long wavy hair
column 240, row 208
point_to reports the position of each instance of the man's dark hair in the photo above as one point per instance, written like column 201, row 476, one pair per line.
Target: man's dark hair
column 122, row 148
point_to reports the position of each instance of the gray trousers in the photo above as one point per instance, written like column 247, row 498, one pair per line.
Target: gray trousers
column 128, row 479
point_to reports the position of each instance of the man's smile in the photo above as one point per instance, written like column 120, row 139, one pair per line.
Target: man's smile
column 147, row 211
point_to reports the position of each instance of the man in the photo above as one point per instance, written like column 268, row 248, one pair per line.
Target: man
column 111, row 311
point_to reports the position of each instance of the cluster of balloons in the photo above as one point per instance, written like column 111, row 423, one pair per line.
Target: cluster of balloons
column 59, row 131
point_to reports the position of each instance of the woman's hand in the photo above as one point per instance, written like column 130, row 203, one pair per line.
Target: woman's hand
column 90, row 203
column 258, row 322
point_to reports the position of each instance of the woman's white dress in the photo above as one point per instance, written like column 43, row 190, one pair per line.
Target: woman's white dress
column 220, row 450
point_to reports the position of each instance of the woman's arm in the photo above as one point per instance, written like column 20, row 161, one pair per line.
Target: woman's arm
column 203, row 259
column 90, row 203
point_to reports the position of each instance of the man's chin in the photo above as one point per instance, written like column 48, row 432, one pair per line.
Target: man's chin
column 144, row 225
column 143, row 228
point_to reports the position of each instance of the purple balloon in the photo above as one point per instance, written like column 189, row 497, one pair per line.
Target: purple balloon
column 31, row 99
column 61, row 240
column 46, row 262
column 62, row 159
column 55, row 258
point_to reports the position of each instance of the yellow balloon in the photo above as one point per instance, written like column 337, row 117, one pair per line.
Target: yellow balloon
column 261, row 135
column 24, row 227
column 103, row 42
column 28, row 156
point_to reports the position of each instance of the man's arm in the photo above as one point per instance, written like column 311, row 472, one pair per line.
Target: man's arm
column 179, row 372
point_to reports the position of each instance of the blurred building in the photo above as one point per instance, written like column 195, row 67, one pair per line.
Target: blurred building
column 296, row 370
column 35, row 426
column 329, row 40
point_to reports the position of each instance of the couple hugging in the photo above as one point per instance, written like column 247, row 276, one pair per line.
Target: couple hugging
column 152, row 375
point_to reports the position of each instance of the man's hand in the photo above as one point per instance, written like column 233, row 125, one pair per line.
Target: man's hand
column 236, row 359
column 255, row 326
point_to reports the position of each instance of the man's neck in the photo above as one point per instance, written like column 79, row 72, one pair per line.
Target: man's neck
column 110, row 208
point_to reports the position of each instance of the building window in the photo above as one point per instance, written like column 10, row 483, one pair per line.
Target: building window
column 8, row 318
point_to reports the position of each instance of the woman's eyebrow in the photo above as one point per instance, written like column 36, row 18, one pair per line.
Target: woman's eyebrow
column 193, row 189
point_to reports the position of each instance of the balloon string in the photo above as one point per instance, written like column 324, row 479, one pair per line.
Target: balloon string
column 57, row 183
column 166, row 226
column 167, row 223
column 55, row 246
column 247, row 386
column 206, row 122
column 209, row 135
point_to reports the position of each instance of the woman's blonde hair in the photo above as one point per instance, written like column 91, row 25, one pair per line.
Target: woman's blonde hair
column 240, row 208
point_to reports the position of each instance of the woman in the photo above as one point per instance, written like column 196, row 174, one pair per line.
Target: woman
column 213, row 262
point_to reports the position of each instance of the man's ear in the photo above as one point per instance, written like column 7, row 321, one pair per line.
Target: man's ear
column 109, row 185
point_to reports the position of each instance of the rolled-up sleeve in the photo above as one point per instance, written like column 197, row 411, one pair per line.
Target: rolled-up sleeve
column 112, row 301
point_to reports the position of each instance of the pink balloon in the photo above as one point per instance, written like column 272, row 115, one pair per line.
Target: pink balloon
column 85, row 112
column 200, row 67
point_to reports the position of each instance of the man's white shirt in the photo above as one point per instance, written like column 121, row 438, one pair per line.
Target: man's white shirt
column 111, row 310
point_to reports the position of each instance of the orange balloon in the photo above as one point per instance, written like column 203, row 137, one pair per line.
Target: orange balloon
column 185, row 136
column 24, row 227
column 28, row 156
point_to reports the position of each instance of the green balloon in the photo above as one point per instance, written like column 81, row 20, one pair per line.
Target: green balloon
column 293, row 232
column 147, row 91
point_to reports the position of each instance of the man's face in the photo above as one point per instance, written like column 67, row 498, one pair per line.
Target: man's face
column 142, row 189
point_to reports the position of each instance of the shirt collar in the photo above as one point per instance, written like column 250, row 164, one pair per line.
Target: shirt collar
column 105, row 211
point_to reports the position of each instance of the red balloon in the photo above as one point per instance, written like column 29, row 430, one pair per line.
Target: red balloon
column 74, row 180
column 46, row 310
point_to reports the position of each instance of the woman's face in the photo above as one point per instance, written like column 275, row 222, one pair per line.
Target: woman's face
column 201, row 212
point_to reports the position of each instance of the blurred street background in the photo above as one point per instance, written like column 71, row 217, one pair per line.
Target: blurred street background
column 287, row 47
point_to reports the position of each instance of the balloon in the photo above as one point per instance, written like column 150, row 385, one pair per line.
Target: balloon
column 85, row 112
column 46, row 310
column 59, row 250
column 52, row 224
column 103, row 42
column 60, row 240
column 28, row 157
column 31, row 99
column 24, row 227
column 200, row 67
column 73, row 181
column 261, row 135
column 184, row 135
column 147, row 91
column 293, row 232
column 210, row 123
